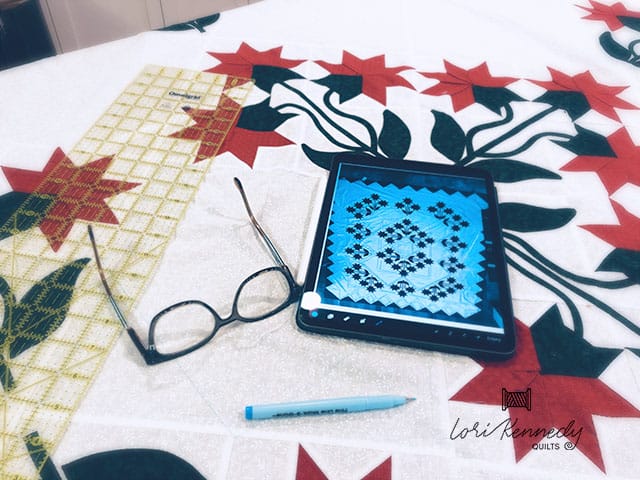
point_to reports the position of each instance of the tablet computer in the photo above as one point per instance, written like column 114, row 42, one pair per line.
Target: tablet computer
column 409, row 253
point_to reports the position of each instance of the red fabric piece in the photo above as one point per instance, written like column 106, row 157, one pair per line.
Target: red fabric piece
column 381, row 472
column 80, row 193
column 244, row 143
column 614, row 172
column 559, row 402
column 609, row 13
column 241, row 63
column 625, row 235
column 458, row 83
column 376, row 76
column 307, row 468
column 602, row 98
column 210, row 128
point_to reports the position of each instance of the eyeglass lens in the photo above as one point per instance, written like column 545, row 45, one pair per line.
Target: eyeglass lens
column 186, row 325
column 262, row 294
column 183, row 327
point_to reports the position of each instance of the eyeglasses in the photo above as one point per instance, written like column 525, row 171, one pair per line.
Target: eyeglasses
column 186, row 326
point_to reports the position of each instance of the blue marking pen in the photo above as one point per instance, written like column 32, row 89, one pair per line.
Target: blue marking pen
column 324, row 407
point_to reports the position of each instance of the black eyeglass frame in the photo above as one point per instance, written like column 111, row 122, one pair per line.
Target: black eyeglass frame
column 150, row 354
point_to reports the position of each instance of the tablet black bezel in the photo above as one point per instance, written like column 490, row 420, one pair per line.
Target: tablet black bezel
column 402, row 332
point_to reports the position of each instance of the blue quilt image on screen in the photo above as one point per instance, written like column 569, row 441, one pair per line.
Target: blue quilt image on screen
column 407, row 250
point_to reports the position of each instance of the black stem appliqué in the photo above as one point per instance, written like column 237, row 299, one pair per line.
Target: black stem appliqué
column 484, row 150
column 561, row 276
column 620, row 52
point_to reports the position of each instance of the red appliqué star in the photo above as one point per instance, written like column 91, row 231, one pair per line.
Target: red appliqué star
column 559, row 400
column 80, row 193
column 609, row 13
column 376, row 76
column 211, row 127
column 241, row 63
column 458, row 83
column 625, row 235
column 614, row 172
column 602, row 98
column 307, row 469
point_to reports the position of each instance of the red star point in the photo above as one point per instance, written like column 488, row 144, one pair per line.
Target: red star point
column 624, row 235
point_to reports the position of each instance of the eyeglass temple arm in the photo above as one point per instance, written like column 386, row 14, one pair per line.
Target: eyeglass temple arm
column 272, row 248
column 112, row 300
column 116, row 308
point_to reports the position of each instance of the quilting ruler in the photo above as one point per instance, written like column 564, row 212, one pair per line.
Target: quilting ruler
column 148, row 153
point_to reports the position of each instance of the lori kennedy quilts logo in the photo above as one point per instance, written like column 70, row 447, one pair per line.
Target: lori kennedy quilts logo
column 543, row 437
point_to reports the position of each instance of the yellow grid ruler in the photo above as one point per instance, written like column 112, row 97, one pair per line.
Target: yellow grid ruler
column 132, row 176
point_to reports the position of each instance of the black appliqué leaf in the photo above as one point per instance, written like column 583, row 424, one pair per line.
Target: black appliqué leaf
column 528, row 218
column 395, row 137
column 613, row 48
column 574, row 103
column 321, row 159
column 197, row 24
column 587, row 142
column 266, row 76
column 447, row 137
column 562, row 352
column 505, row 170
column 132, row 464
column 631, row 22
column 40, row 312
column 262, row 118
column 624, row 261
column 21, row 211
column 346, row 86
column 494, row 98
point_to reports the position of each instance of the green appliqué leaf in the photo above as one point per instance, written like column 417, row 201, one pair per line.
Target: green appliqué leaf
column 395, row 137
column 40, row 312
column 528, row 218
column 624, row 261
column 321, row 159
column 346, row 86
column 504, row 170
column 631, row 22
column 21, row 211
column 587, row 142
column 266, row 76
column 197, row 24
column 562, row 352
column 447, row 137
column 494, row 98
column 262, row 118
column 132, row 464
column 574, row 103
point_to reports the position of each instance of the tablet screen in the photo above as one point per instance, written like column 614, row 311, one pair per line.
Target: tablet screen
column 407, row 245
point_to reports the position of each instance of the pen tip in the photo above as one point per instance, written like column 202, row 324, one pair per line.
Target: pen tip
column 409, row 399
